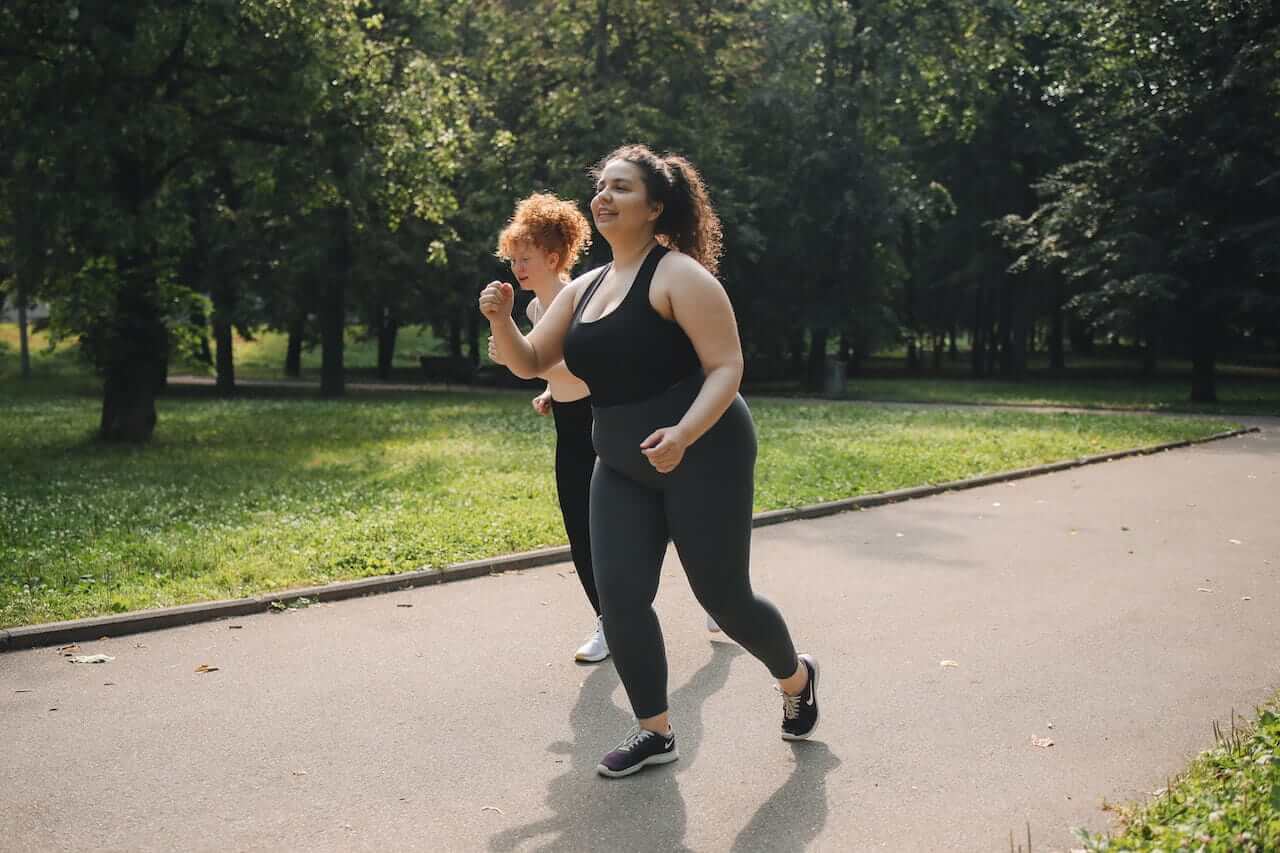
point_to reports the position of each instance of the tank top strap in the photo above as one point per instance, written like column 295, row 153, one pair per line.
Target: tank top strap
column 644, row 278
column 591, row 290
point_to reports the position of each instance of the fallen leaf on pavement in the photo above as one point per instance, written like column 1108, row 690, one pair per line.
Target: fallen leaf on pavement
column 949, row 663
column 492, row 809
column 1042, row 742
column 69, row 650
column 204, row 667
column 91, row 658
column 1247, row 598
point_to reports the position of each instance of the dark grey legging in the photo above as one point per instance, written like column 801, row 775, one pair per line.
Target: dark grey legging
column 704, row 506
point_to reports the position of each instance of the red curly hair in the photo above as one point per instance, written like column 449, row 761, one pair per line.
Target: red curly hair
column 549, row 223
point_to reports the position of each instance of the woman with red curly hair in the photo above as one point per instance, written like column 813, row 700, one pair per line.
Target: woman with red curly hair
column 654, row 336
column 542, row 242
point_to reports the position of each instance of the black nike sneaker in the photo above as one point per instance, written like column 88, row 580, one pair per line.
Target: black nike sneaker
column 800, row 713
column 640, row 749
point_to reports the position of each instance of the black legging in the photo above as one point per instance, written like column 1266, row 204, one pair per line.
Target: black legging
column 704, row 506
column 575, row 461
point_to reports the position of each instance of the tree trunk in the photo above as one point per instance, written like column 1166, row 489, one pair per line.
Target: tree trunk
column 23, row 347
column 128, row 405
column 333, row 309
column 388, row 328
column 223, row 334
column 473, row 337
column 1022, row 329
column 953, row 351
column 817, row 358
column 909, row 295
column 28, row 243
column 226, row 365
column 160, row 370
column 293, row 353
column 978, row 351
column 1149, row 357
column 132, row 367
column 939, row 342
column 1008, row 356
column 455, row 335
column 797, row 355
column 1081, row 336
column 1204, row 368
column 1057, row 357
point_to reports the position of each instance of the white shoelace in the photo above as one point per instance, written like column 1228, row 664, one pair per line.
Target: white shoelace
column 633, row 740
column 790, row 704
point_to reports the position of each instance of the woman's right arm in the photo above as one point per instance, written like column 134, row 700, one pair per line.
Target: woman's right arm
column 529, row 356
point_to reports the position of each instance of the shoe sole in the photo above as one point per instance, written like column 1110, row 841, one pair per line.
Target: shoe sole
column 662, row 758
column 814, row 727
column 590, row 658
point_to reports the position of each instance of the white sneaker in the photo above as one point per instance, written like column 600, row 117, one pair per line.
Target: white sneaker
column 596, row 648
column 711, row 625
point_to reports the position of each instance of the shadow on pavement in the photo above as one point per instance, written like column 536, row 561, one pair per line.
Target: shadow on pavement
column 793, row 817
column 641, row 812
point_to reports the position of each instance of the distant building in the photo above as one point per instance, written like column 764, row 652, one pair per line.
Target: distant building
column 35, row 312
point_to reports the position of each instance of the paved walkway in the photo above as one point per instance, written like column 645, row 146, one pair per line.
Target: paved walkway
column 1128, row 605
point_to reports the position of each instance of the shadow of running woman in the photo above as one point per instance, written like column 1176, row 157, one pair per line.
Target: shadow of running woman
column 795, row 813
column 645, row 812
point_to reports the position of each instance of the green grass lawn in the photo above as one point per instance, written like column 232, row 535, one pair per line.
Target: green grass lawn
column 263, row 357
column 1227, row 802
column 246, row 496
column 1236, row 394
column 61, row 365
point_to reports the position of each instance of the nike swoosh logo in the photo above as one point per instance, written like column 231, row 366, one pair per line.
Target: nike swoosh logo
column 812, row 695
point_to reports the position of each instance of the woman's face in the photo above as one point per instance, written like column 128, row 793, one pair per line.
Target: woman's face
column 621, row 205
column 531, row 265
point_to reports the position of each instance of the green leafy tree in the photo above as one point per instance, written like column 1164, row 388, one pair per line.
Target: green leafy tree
column 1169, row 223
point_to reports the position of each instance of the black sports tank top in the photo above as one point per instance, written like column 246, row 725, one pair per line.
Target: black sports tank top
column 633, row 352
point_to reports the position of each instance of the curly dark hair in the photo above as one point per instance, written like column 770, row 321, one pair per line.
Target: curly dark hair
column 552, row 224
column 688, row 222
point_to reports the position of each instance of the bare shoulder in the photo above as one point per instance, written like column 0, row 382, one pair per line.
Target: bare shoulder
column 679, row 273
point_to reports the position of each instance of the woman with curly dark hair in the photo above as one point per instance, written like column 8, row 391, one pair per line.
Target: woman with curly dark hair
column 655, row 338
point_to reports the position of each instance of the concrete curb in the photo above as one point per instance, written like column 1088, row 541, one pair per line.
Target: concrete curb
column 82, row 630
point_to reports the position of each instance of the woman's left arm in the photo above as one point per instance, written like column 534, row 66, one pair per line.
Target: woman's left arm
column 701, row 308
